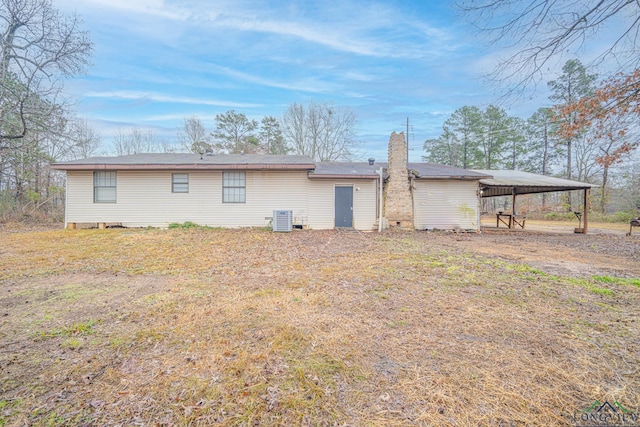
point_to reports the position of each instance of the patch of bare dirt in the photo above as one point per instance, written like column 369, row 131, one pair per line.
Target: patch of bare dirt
column 574, row 255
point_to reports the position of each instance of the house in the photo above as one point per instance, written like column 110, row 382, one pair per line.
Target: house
column 237, row 190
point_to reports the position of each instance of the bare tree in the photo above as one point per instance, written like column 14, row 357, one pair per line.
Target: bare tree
column 539, row 31
column 135, row 142
column 38, row 47
column 86, row 140
column 193, row 136
column 320, row 130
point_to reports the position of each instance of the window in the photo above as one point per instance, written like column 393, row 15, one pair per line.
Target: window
column 104, row 187
column 233, row 187
column 180, row 183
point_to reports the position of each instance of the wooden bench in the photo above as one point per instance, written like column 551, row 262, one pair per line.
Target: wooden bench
column 519, row 220
column 510, row 220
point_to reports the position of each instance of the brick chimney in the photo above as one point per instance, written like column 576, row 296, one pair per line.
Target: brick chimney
column 398, row 203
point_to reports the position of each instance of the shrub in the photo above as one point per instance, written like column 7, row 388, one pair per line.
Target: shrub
column 187, row 224
column 560, row 216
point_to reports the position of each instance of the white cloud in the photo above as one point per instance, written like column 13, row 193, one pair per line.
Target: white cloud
column 306, row 85
column 148, row 96
column 178, row 117
column 326, row 36
column 147, row 7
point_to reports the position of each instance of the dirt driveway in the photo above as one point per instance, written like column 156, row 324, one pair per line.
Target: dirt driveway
column 602, row 252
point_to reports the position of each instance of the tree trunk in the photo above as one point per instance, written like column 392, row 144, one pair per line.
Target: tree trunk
column 569, row 204
column 603, row 192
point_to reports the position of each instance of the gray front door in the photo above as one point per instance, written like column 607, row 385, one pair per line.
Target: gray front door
column 344, row 207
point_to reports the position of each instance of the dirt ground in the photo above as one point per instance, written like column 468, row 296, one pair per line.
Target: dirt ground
column 556, row 249
column 249, row 327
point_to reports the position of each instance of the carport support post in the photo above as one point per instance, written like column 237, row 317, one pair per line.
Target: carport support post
column 513, row 207
column 585, row 211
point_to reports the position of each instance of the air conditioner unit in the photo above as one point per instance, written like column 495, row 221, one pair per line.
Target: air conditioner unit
column 282, row 220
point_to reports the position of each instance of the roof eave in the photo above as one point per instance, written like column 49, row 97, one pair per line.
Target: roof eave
column 467, row 178
column 185, row 166
column 343, row 176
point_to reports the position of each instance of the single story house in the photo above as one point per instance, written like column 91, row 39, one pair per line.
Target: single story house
column 243, row 190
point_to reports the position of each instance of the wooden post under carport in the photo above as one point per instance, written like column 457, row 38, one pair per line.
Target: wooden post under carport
column 585, row 211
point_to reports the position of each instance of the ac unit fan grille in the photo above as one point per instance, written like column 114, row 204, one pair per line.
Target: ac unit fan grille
column 282, row 221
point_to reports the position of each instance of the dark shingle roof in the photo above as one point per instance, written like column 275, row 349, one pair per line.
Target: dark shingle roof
column 346, row 169
column 436, row 171
column 257, row 162
column 190, row 161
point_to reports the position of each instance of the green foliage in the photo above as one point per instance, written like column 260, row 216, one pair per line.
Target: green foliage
column 187, row 225
column 573, row 84
column 235, row 133
column 560, row 216
column 600, row 291
column 617, row 217
column 73, row 330
column 622, row 217
column 458, row 144
column 33, row 196
column 270, row 136
column 617, row 281
column 542, row 152
column 473, row 138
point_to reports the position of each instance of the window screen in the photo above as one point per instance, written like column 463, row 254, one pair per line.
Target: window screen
column 104, row 187
column 180, row 183
column 233, row 187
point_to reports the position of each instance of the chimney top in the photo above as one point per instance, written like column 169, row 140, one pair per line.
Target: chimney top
column 371, row 161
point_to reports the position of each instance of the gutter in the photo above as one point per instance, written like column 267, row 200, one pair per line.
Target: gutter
column 342, row 176
column 458, row 177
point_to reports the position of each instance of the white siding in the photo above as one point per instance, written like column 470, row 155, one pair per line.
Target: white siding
column 322, row 203
column 446, row 204
column 144, row 198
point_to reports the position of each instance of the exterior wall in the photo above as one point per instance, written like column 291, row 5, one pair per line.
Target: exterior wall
column 398, row 205
column 322, row 203
column 446, row 204
column 144, row 198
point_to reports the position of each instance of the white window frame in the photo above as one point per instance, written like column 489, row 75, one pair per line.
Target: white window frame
column 234, row 187
column 179, row 182
column 105, row 186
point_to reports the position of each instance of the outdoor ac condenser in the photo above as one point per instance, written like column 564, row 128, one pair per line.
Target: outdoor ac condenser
column 282, row 221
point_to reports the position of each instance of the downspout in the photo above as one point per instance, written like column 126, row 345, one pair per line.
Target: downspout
column 66, row 197
column 479, row 208
column 380, row 201
column 413, row 199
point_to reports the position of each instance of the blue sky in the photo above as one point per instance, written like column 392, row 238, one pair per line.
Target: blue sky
column 157, row 62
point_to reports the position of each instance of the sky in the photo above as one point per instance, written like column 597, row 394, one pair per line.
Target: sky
column 157, row 62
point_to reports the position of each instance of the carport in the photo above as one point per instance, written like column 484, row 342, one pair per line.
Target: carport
column 513, row 183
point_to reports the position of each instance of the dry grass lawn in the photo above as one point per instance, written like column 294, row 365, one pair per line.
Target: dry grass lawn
column 249, row 327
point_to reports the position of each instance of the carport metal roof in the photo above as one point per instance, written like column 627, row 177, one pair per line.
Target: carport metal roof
column 508, row 183
column 513, row 183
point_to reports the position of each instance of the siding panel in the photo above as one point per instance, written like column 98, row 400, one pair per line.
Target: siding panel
column 144, row 198
column 322, row 203
column 446, row 204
